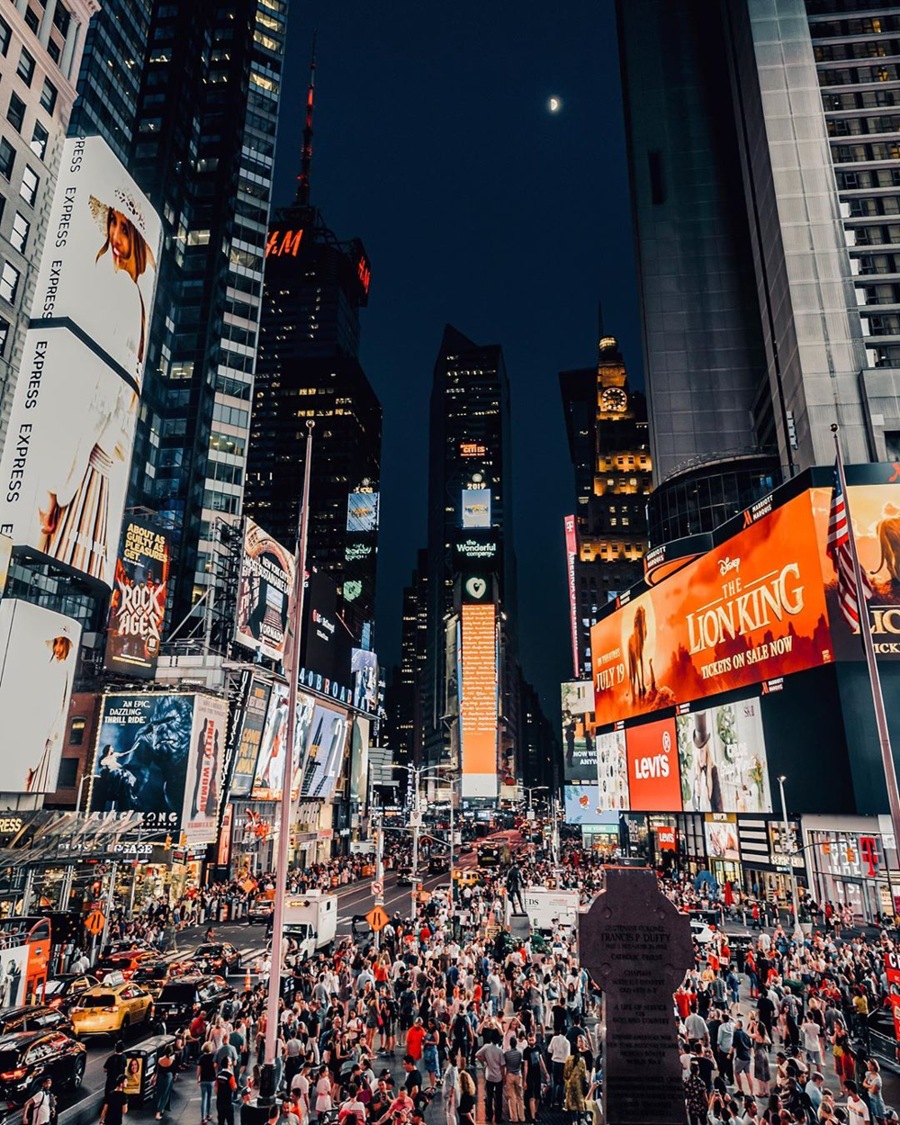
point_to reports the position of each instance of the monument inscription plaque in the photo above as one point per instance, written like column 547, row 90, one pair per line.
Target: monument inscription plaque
column 637, row 947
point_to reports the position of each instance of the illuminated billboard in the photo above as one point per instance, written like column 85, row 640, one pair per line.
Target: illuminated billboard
column 364, row 669
column 476, row 507
column 270, row 762
column 64, row 472
column 652, row 753
column 137, row 608
column 362, row 511
column 253, row 723
column 612, row 770
column 324, row 753
column 722, row 838
column 38, row 655
column 580, row 759
column 583, row 807
column 98, row 268
column 722, row 756
column 67, row 454
column 162, row 755
column 750, row 610
column 359, row 761
column 571, row 557
column 478, row 708
column 264, row 593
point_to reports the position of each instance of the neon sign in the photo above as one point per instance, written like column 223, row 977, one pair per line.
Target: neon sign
column 281, row 243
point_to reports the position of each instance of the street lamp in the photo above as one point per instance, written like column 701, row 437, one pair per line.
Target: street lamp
column 529, row 789
column 789, row 843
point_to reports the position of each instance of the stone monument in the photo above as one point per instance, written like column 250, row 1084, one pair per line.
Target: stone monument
column 637, row 947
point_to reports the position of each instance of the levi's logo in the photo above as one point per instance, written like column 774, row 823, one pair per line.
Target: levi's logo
column 657, row 766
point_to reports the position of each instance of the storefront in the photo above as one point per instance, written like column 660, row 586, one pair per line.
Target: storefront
column 767, row 857
column 850, row 864
column 691, row 842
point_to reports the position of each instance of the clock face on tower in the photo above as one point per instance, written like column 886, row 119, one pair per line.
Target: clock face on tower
column 614, row 400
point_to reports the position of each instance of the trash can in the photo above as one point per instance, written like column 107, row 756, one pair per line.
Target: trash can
column 140, row 1067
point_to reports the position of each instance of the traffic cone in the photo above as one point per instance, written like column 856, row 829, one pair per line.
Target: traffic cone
column 247, row 983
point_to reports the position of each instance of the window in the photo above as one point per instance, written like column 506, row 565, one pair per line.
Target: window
column 25, row 69
column 48, row 96
column 20, row 229
column 9, row 282
column 61, row 19
column 7, row 158
column 68, row 772
column 39, row 138
column 4, row 334
column 53, row 51
column 30, row 181
column 15, row 115
column 31, row 18
column 76, row 732
column 5, row 36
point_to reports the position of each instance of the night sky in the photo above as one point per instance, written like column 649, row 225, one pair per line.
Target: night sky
column 478, row 207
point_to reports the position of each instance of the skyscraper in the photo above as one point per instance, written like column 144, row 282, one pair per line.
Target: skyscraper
column 471, row 570
column 606, row 424
column 753, row 339
column 40, row 52
column 309, row 367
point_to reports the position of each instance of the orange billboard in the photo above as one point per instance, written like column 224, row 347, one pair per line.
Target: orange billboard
column 478, row 712
column 750, row 610
column 653, row 779
column 875, row 514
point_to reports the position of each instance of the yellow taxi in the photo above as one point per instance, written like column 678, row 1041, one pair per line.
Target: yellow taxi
column 111, row 1008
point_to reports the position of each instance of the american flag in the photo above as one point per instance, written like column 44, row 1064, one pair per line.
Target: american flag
column 840, row 554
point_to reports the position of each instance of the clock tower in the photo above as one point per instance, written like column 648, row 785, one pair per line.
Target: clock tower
column 609, row 444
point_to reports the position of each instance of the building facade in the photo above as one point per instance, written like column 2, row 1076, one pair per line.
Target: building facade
column 40, row 53
column 606, row 424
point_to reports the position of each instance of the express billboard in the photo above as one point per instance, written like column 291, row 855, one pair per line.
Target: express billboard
column 253, row 722
column 264, row 593
column 478, row 708
column 750, row 610
column 137, row 607
column 652, row 753
column 722, row 758
column 63, row 475
column 270, row 763
column 162, row 755
column 38, row 655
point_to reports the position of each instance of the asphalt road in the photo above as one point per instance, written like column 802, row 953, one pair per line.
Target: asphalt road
column 357, row 898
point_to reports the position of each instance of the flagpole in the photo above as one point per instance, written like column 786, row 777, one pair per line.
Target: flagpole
column 267, row 1091
column 884, row 738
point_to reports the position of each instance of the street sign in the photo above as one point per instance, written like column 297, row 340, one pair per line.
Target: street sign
column 95, row 922
column 377, row 918
column 377, row 888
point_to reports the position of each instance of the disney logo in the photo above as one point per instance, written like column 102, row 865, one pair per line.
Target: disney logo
column 727, row 564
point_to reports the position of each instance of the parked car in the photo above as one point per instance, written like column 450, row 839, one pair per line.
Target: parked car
column 438, row 864
column 217, row 957
column 181, row 999
column 61, row 992
column 28, row 1057
column 33, row 1017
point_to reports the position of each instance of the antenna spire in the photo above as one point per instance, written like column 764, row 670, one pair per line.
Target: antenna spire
column 306, row 153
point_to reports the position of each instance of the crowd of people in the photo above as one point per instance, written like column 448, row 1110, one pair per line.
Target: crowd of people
column 770, row 1028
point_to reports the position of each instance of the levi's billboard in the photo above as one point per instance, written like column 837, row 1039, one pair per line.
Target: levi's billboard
column 748, row 611
column 653, row 778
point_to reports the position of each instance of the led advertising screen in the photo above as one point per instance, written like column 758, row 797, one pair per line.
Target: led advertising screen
column 98, row 268
column 580, row 758
column 875, row 512
column 137, row 608
column 325, row 752
column 612, row 770
column 253, row 723
column 653, row 782
column 582, row 807
column 163, row 756
column 362, row 511
column 270, row 763
column 750, row 610
column 359, row 761
column 478, row 710
column 38, row 655
column 364, row 668
column 476, row 507
column 722, row 839
column 325, row 643
column 264, row 593
column 64, row 471
column 722, row 755
column 571, row 557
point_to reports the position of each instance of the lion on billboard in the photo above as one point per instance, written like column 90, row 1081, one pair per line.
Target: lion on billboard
column 636, row 654
column 889, row 540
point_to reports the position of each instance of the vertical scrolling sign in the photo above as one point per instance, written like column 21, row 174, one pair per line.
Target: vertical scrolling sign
column 637, row 948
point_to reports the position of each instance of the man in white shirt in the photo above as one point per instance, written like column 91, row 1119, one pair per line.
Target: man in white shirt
column 560, row 1049
column 857, row 1110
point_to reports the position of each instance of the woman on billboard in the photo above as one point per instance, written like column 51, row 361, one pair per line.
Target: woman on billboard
column 59, row 685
